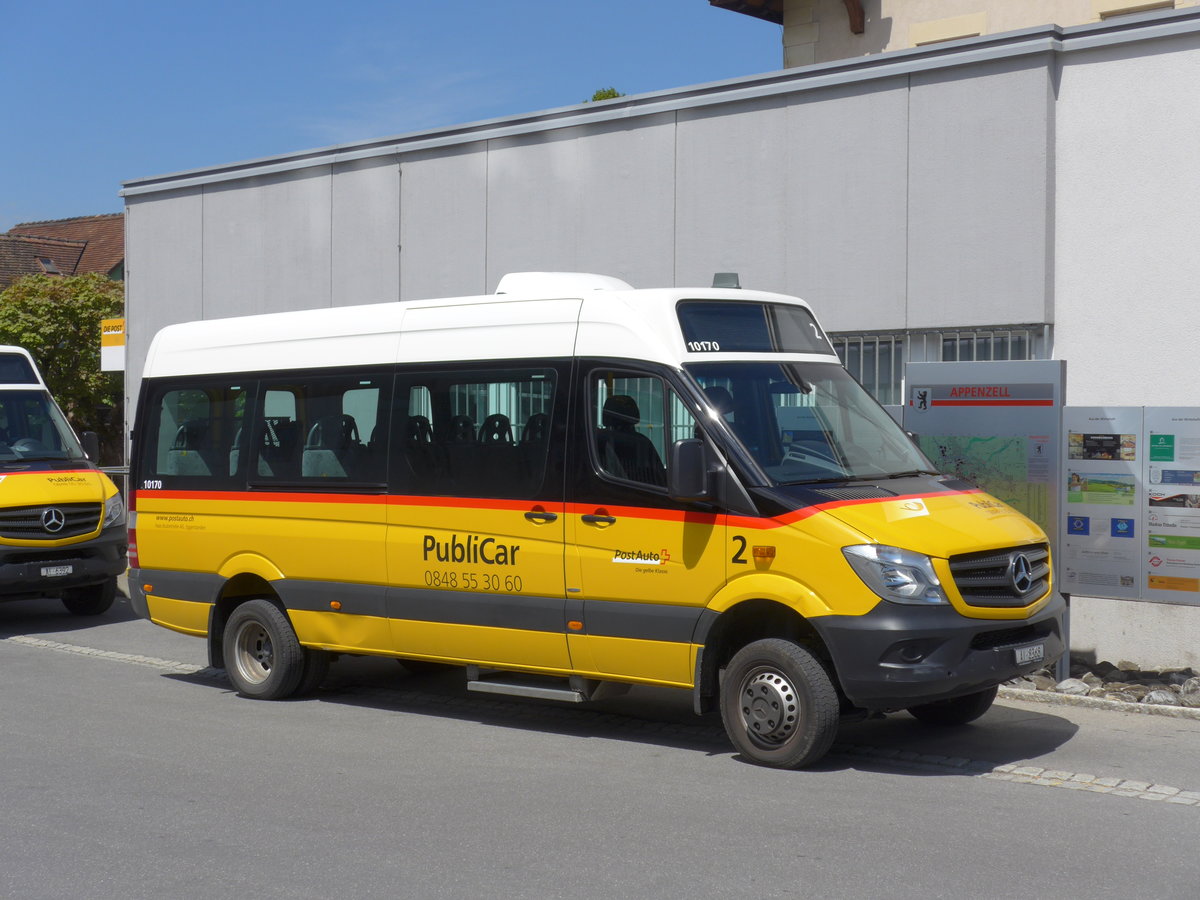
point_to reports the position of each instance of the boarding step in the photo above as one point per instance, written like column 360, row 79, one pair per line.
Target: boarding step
column 539, row 687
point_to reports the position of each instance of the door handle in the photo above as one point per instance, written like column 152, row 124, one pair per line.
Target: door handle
column 540, row 515
column 594, row 519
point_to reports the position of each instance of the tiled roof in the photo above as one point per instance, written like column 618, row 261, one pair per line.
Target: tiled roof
column 103, row 235
column 19, row 256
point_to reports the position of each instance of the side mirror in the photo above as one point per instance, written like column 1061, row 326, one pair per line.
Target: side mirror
column 687, row 471
column 91, row 445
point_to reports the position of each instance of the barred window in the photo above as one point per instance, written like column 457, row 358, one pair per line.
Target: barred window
column 877, row 359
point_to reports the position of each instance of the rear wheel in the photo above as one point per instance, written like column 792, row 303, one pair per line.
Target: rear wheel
column 778, row 704
column 957, row 710
column 91, row 600
column 316, row 667
column 263, row 657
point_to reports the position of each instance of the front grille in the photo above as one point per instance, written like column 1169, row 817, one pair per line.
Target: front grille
column 25, row 523
column 999, row 578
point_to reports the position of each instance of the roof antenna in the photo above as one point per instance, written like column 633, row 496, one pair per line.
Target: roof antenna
column 726, row 280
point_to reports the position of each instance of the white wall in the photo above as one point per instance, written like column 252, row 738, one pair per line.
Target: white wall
column 1127, row 276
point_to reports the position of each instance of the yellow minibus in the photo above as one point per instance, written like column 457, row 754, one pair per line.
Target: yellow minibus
column 571, row 485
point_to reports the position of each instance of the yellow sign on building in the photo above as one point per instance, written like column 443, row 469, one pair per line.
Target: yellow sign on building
column 112, row 345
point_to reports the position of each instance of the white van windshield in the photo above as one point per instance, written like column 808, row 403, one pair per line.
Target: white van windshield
column 31, row 427
column 808, row 422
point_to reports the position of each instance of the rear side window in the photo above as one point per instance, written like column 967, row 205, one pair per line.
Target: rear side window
column 194, row 432
column 320, row 430
column 484, row 433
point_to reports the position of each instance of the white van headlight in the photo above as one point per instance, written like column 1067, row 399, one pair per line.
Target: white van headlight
column 114, row 510
column 897, row 575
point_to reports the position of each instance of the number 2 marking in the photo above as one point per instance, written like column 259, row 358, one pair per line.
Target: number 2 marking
column 739, row 556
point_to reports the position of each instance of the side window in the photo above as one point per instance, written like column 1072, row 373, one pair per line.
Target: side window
column 327, row 429
column 478, row 434
column 196, row 436
column 634, row 420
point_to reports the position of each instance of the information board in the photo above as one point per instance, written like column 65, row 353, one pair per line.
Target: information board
column 1172, row 512
column 995, row 424
column 1103, row 535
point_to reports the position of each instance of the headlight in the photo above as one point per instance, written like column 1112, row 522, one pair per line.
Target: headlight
column 114, row 510
column 897, row 575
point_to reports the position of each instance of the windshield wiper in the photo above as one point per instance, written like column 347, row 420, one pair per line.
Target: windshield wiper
column 911, row 473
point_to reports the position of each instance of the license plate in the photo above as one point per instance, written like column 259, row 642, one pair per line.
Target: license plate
column 56, row 571
column 1033, row 653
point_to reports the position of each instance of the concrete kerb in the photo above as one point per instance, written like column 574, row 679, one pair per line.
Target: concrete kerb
column 1053, row 698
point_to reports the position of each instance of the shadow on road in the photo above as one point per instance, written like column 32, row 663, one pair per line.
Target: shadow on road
column 896, row 743
column 47, row 615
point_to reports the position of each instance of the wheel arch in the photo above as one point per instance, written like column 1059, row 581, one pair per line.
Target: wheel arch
column 234, row 592
column 722, row 634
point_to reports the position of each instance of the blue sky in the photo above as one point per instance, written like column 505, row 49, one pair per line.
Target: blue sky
column 99, row 93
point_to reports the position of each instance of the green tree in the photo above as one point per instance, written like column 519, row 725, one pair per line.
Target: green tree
column 57, row 319
column 608, row 93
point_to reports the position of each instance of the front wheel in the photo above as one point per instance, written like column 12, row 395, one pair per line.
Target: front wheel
column 955, row 711
column 263, row 657
column 91, row 600
column 778, row 704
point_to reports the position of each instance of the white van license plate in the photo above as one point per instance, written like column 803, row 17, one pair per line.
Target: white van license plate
column 1034, row 653
column 56, row 571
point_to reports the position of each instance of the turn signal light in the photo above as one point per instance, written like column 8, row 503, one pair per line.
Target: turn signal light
column 763, row 552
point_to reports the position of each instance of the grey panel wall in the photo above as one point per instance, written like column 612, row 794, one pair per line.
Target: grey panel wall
column 732, row 194
column 365, row 231
column 847, row 178
column 910, row 190
column 597, row 198
column 267, row 244
column 164, row 280
column 443, row 223
column 979, row 193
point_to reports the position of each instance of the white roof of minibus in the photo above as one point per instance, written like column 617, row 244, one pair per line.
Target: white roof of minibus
column 37, row 373
column 539, row 315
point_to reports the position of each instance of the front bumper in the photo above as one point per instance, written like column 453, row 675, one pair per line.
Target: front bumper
column 895, row 656
column 78, row 565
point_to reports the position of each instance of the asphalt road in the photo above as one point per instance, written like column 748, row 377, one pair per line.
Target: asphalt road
column 132, row 771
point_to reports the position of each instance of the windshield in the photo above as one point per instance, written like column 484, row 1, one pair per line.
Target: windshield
column 808, row 422
column 31, row 427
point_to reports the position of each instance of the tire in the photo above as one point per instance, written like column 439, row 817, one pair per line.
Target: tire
column 262, row 655
column 955, row 711
column 316, row 667
column 779, row 705
column 91, row 600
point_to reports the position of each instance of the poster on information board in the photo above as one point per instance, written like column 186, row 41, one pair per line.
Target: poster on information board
column 1103, row 534
column 1172, row 480
column 996, row 425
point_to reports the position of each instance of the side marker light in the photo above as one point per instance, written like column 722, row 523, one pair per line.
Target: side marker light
column 763, row 552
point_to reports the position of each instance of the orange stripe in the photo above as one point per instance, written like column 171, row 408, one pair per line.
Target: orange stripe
column 640, row 512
